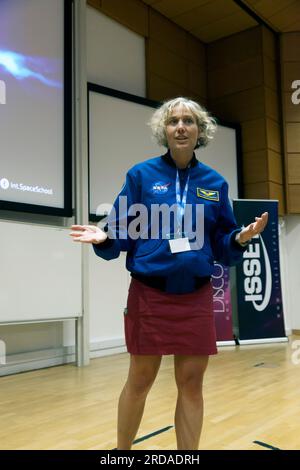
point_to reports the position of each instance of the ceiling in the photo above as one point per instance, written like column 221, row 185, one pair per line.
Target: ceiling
column 210, row 20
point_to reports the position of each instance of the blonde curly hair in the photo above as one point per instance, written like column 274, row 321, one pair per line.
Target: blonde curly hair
column 206, row 124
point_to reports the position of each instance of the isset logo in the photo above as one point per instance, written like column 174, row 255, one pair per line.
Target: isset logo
column 256, row 288
column 2, row 92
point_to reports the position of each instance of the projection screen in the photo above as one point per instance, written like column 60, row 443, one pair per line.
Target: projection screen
column 36, row 106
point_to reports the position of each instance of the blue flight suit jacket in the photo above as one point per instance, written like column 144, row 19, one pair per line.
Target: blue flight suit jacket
column 154, row 182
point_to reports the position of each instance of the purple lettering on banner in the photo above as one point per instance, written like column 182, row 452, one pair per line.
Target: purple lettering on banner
column 222, row 303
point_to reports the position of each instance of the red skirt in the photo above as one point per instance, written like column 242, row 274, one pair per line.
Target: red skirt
column 159, row 323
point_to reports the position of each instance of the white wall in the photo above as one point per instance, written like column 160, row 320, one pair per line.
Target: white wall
column 292, row 250
column 115, row 55
column 284, row 275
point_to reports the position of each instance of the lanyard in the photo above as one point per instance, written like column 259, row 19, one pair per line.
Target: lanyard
column 181, row 202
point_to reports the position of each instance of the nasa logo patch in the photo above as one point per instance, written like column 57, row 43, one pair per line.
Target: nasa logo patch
column 160, row 187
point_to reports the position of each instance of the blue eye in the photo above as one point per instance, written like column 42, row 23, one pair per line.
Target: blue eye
column 173, row 121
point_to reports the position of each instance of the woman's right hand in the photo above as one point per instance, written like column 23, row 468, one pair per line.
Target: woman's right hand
column 88, row 234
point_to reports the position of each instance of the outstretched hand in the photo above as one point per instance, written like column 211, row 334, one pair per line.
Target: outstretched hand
column 254, row 228
column 87, row 234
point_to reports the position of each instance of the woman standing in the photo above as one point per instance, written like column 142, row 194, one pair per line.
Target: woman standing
column 170, row 300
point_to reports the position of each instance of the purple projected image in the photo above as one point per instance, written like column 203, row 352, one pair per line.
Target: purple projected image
column 32, row 105
column 22, row 67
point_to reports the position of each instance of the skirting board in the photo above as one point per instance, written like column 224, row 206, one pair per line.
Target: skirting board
column 42, row 359
column 29, row 361
column 263, row 341
column 226, row 343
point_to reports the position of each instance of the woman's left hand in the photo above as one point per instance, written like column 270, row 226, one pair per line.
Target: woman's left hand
column 254, row 228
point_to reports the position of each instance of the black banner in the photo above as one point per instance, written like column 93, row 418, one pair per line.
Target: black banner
column 259, row 297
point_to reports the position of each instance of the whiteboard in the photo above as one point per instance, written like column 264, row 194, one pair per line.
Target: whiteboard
column 40, row 275
column 119, row 137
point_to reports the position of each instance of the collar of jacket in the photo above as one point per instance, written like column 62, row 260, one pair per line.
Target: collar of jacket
column 168, row 159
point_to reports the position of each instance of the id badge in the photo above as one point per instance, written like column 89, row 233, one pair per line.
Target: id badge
column 178, row 245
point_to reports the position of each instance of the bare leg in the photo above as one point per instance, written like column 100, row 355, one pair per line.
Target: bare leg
column 142, row 373
column 189, row 372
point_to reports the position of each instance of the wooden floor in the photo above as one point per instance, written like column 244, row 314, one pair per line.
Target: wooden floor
column 252, row 393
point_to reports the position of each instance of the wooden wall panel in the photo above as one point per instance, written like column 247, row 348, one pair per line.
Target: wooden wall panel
column 196, row 52
column 236, row 77
column 291, row 111
column 161, row 88
column 167, row 33
column 294, row 168
column 269, row 8
column 272, row 104
column 254, row 135
column 294, row 198
column 166, row 64
column 276, row 192
column 176, row 62
column 226, row 52
column 290, row 68
column 283, row 18
column 293, row 27
column 196, row 79
column 224, row 26
column 133, row 14
column 268, row 44
column 256, row 191
column 270, row 73
column 205, row 14
column 275, row 164
column 267, row 190
column 172, row 8
column 243, row 86
column 293, row 137
column 255, row 167
column 291, row 72
column 290, row 47
column 242, row 106
column 273, row 135
column 94, row 3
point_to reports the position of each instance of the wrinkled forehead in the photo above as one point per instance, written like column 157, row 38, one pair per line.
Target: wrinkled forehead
column 181, row 109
